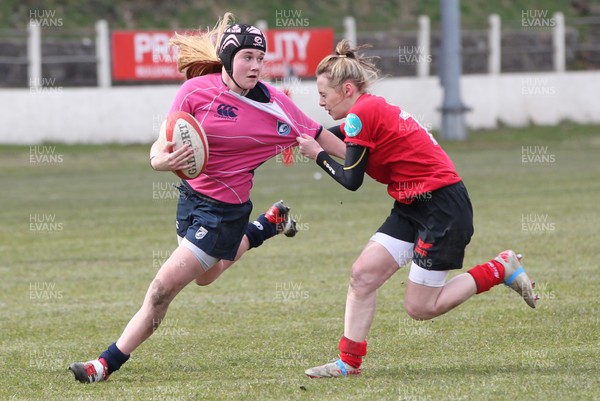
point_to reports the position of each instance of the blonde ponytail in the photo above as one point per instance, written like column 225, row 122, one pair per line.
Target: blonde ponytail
column 198, row 52
column 345, row 65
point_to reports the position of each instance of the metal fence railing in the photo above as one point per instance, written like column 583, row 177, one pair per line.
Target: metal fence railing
column 81, row 57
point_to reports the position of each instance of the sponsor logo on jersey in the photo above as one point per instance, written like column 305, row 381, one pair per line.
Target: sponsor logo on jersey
column 227, row 111
column 283, row 129
column 353, row 125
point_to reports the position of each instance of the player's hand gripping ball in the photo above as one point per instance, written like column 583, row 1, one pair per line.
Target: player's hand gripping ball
column 183, row 129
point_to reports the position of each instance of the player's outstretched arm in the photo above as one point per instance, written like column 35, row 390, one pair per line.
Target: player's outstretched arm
column 332, row 144
column 350, row 174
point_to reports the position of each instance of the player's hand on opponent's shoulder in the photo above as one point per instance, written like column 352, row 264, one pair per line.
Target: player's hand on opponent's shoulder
column 308, row 146
column 164, row 160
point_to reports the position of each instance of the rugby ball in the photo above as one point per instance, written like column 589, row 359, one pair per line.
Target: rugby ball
column 183, row 129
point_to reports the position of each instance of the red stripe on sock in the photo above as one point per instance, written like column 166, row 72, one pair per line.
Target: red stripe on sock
column 106, row 372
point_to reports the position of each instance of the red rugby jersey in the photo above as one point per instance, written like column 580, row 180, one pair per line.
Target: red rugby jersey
column 402, row 154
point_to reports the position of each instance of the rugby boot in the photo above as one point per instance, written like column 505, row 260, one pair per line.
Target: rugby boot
column 90, row 372
column 278, row 214
column 333, row 369
column 515, row 276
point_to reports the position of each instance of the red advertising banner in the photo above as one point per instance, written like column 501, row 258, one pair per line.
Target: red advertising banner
column 147, row 55
column 144, row 56
column 297, row 52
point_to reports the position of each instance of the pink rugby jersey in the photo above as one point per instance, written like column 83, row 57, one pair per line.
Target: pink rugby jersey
column 242, row 133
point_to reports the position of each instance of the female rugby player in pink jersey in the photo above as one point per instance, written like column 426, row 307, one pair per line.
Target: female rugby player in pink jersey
column 430, row 224
column 246, row 122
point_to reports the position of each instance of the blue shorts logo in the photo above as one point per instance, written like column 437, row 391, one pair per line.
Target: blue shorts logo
column 353, row 125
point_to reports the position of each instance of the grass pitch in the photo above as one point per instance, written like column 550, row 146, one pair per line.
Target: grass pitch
column 84, row 229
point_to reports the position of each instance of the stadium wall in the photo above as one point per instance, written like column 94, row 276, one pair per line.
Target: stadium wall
column 134, row 114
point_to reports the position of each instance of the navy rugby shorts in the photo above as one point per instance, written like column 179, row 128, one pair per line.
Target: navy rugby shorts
column 215, row 227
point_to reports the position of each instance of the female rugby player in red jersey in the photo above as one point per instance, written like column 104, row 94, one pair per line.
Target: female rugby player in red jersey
column 430, row 224
column 246, row 122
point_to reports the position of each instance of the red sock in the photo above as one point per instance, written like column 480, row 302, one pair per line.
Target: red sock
column 487, row 275
column 352, row 352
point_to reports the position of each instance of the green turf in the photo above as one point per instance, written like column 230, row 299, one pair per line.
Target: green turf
column 84, row 228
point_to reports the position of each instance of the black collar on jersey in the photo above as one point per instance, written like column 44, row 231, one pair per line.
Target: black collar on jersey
column 259, row 93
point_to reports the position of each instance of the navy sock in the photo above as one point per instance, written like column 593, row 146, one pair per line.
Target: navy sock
column 260, row 230
column 114, row 358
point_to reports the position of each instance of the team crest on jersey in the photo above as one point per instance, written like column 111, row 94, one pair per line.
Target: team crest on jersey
column 353, row 125
column 283, row 129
